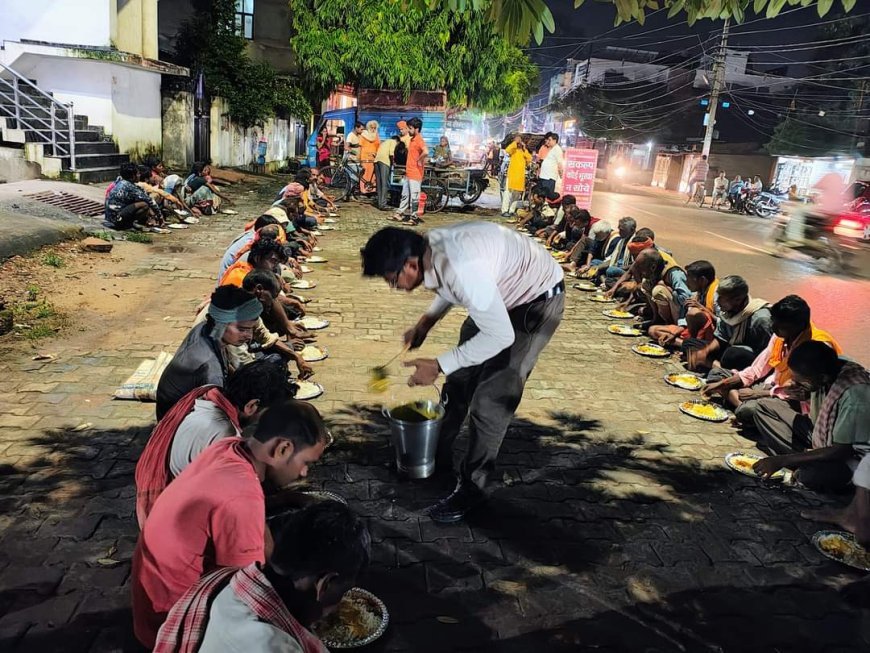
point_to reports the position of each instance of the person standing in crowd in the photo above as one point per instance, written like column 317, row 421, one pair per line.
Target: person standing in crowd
column 553, row 166
column 383, row 166
column 418, row 154
column 369, row 144
column 324, row 147
column 698, row 175
column 513, row 291
column 515, row 185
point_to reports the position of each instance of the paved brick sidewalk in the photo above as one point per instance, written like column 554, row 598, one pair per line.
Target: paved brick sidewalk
column 613, row 525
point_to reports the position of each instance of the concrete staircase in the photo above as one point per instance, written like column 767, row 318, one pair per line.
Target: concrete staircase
column 28, row 122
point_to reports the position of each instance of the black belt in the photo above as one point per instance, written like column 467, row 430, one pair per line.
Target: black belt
column 558, row 289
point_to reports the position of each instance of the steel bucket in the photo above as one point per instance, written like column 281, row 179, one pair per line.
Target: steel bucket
column 416, row 442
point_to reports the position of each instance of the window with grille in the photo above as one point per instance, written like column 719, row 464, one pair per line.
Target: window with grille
column 245, row 18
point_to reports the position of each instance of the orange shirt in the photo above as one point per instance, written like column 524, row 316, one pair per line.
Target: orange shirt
column 236, row 273
column 414, row 169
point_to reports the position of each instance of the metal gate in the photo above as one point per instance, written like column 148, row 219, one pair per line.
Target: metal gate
column 201, row 122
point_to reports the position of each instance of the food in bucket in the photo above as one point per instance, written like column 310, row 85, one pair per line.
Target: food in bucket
column 355, row 620
column 413, row 412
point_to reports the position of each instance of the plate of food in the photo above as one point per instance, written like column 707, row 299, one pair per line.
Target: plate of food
column 360, row 619
column 619, row 315
column 316, row 259
column 704, row 411
column 308, row 389
column 623, row 330
column 651, row 350
column 601, row 299
column 303, row 283
column 685, row 380
column 330, row 221
column 316, row 249
column 585, row 286
column 313, row 323
column 743, row 462
column 325, row 495
column 842, row 547
column 316, row 232
column 306, row 269
column 313, row 353
column 326, row 227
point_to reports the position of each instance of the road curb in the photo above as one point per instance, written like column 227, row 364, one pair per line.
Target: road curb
column 21, row 234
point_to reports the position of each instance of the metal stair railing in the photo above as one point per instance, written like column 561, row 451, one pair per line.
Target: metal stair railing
column 57, row 129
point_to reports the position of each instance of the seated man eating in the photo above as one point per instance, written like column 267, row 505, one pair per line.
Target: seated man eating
column 823, row 446
column 743, row 329
column 201, row 358
column 266, row 608
column 214, row 514
column 769, row 374
column 701, row 310
column 200, row 418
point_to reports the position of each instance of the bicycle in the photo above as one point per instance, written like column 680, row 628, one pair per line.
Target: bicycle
column 699, row 194
column 348, row 179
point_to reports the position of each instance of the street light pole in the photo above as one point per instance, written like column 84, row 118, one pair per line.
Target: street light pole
column 718, row 84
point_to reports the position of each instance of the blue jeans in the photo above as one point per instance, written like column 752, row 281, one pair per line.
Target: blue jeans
column 548, row 184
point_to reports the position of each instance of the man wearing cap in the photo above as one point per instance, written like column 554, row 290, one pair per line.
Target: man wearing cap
column 201, row 358
column 513, row 291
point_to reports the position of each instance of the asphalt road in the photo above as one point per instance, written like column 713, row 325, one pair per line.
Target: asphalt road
column 735, row 245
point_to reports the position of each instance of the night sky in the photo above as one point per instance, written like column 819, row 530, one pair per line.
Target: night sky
column 595, row 21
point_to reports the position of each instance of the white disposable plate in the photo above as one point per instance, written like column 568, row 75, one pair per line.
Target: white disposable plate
column 313, row 323
column 313, row 353
column 308, row 390
column 303, row 283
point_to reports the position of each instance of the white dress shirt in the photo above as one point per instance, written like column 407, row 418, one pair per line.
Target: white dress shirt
column 488, row 270
column 552, row 162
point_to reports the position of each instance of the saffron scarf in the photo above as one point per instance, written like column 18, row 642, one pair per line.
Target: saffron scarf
column 152, row 471
column 851, row 374
column 185, row 626
column 781, row 351
column 709, row 300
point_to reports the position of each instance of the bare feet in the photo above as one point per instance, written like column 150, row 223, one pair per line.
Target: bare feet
column 842, row 517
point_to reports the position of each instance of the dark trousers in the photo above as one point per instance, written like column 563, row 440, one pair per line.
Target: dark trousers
column 548, row 184
column 489, row 393
column 382, row 179
column 785, row 431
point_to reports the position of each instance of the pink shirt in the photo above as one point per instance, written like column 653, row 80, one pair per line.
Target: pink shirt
column 212, row 515
column 760, row 369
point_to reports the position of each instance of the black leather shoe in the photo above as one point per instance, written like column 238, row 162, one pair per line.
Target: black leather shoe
column 465, row 498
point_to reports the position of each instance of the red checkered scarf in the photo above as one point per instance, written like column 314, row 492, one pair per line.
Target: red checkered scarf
column 850, row 375
column 185, row 626
column 152, row 470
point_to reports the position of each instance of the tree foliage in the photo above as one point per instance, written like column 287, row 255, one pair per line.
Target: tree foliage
column 383, row 44
column 520, row 20
column 207, row 42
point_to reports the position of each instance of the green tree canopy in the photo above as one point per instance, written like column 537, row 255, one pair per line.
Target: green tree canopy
column 381, row 44
column 519, row 20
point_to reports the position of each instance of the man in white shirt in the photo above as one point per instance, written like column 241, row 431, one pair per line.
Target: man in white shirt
column 513, row 291
column 553, row 165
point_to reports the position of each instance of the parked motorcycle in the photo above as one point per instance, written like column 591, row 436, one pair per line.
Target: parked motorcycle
column 766, row 203
column 813, row 234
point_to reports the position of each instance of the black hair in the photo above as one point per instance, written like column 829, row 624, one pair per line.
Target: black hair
column 263, row 278
column 554, row 136
column 144, row 172
column 263, row 220
column 568, row 200
column 323, row 538
column 262, row 380
column 416, row 123
column 197, row 168
column 643, row 233
column 293, row 420
column 813, row 358
column 388, row 249
column 152, row 161
column 791, row 309
column 230, row 297
column 700, row 269
column 129, row 171
column 303, row 177
column 358, row 124
column 263, row 247
column 733, row 284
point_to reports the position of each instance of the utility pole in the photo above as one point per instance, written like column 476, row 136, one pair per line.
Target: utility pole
column 718, row 85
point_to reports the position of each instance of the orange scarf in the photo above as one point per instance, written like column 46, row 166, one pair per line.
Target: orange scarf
column 236, row 273
column 710, row 295
column 781, row 351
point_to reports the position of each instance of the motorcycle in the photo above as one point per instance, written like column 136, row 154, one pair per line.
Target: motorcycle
column 814, row 234
column 766, row 203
